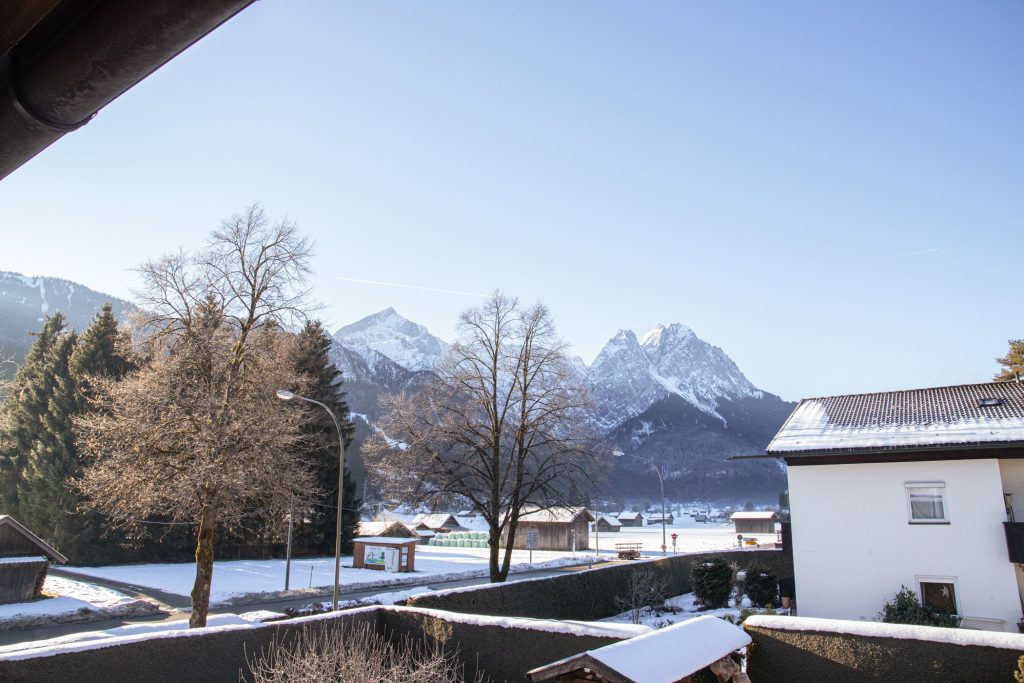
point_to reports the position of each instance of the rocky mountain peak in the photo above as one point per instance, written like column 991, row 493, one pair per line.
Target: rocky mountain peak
column 388, row 333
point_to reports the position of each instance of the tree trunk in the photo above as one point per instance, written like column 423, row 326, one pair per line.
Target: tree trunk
column 507, row 559
column 204, row 569
column 492, row 544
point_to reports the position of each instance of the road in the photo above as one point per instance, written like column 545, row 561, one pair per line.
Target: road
column 175, row 606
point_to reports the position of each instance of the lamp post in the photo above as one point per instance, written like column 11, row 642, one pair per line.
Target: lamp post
column 285, row 395
column 661, row 482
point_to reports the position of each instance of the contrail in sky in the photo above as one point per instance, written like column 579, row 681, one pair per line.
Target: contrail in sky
column 912, row 253
column 401, row 286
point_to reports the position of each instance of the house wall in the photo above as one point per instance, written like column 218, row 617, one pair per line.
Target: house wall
column 854, row 547
column 554, row 535
column 754, row 526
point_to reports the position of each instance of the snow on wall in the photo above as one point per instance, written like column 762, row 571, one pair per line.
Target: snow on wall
column 934, row 634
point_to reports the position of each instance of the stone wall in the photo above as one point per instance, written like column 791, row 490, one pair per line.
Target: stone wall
column 585, row 595
column 502, row 651
column 822, row 650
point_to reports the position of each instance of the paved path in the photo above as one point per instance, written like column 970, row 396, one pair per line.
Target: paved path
column 176, row 606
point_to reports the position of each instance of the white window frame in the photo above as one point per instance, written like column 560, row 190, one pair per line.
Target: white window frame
column 926, row 484
column 927, row 578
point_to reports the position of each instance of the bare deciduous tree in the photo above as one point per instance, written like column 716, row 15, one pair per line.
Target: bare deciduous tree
column 500, row 427
column 644, row 590
column 197, row 435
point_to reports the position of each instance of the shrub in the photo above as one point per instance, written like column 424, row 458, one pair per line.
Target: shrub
column 711, row 579
column 644, row 590
column 762, row 587
column 357, row 655
column 905, row 608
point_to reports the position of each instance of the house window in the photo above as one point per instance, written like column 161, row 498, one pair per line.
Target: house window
column 939, row 595
column 926, row 503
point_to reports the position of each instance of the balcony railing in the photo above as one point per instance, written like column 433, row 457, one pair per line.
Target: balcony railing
column 1015, row 540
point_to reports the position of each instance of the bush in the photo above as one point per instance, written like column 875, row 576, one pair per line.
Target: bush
column 644, row 591
column 357, row 655
column 762, row 586
column 905, row 608
column 711, row 579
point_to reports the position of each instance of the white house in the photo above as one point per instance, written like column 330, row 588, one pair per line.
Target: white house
column 908, row 488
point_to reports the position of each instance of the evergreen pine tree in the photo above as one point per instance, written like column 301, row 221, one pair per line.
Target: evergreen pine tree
column 25, row 404
column 311, row 357
column 44, row 501
column 1012, row 362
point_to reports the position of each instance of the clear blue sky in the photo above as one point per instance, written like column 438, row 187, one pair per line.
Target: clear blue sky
column 831, row 193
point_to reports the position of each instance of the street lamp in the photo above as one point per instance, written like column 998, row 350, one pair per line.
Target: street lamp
column 661, row 482
column 286, row 395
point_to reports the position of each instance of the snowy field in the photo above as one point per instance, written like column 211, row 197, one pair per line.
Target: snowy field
column 233, row 579
column 692, row 537
column 68, row 601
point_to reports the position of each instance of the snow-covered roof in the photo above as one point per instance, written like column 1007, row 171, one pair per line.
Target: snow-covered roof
column 628, row 515
column 392, row 540
column 663, row 656
column 437, row 520
column 44, row 547
column 23, row 559
column 755, row 514
column 971, row 414
column 609, row 520
column 555, row 515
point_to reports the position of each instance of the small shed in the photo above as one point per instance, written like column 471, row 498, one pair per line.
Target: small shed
column 668, row 655
column 755, row 521
column 24, row 559
column 386, row 553
column 437, row 522
column 656, row 518
column 607, row 524
column 466, row 513
column 631, row 519
column 556, row 528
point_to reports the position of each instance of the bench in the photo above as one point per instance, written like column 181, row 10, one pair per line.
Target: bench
column 629, row 551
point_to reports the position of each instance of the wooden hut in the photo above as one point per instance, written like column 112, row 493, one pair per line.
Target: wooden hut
column 384, row 553
column 656, row 518
column 755, row 521
column 556, row 528
column 669, row 655
column 631, row 519
column 607, row 524
column 24, row 559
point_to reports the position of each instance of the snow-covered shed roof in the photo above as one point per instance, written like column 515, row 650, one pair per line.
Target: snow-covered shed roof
column 565, row 515
column 389, row 540
column 628, row 515
column 610, row 520
column 8, row 522
column 956, row 416
column 437, row 520
column 663, row 656
column 755, row 514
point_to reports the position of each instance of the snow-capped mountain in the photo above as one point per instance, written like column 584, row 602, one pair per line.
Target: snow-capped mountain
column 389, row 334
column 629, row 375
column 25, row 301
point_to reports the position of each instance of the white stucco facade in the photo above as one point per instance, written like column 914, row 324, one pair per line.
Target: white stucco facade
column 854, row 544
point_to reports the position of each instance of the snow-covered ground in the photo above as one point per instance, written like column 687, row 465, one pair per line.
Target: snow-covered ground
column 688, row 608
column 234, row 579
column 70, row 600
column 692, row 537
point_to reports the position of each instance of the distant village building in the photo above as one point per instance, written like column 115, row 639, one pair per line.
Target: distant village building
column 24, row 560
column 669, row 655
column 656, row 518
column 466, row 513
column 384, row 553
column 631, row 519
column 917, row 488
column 440, row 522
column 755, row 521
column 557, row 529
column 607, row 524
